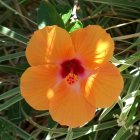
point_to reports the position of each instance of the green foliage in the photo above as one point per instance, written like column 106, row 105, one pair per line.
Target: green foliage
column 11, row 34
column 18, row 21
column 74, row 26
column 47, row 15
column 118, row 3
column 7, row 128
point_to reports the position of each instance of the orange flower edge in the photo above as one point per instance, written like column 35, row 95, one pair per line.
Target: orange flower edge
column 70, row 74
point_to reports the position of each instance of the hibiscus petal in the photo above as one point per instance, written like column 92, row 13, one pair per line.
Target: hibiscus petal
column 48, row 45
column 105, row 86
column 93, row 45
column 35, row 84
column 69, row 107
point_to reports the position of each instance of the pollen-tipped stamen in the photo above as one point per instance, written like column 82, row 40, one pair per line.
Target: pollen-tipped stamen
column 71, row 78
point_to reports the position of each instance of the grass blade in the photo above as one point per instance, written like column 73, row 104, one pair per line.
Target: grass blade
column 10, row 102
column 11, row 56
column 18, row 130
column 12, row 34
column 9, row 93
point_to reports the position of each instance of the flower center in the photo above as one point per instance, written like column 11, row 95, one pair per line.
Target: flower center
column 71, row 78
column 71, row 69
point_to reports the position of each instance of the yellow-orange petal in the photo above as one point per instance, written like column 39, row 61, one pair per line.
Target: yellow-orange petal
column 35, row 84
column 69, row 107
column 49, row 45
column 93, row 45
column 105, row 86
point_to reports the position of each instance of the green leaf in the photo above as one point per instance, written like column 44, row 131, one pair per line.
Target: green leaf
column 129, row 61
column 50, row 134
column 6, row 136
column 119, row 3
column 11, row 56
column 129, row 102
column 19, row 131
column 131, row 95
column 74, row 26
column 87, row 130
column 42, row 114
column 120, row 103
column 69, row 134
column 99, row 9
column 77, row 132
column 137, row 42
column 15, row 11
column 12, row 34
column 129, row 109
column 66, row 16
column 127, row 135
column 47, row 15
column 10, row 102
column 123, row 130
column 105, row 112
column 65, row 11
column 10, row 69
column 9, row 93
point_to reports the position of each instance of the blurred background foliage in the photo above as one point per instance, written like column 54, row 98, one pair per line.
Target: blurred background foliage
column 20, row 18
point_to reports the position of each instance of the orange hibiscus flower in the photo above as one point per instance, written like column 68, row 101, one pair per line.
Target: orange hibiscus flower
column 70, row 74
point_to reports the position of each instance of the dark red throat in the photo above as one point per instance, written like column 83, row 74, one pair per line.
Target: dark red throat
column 71, row 66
